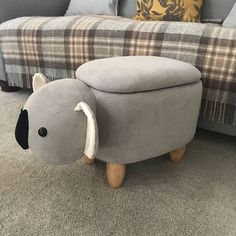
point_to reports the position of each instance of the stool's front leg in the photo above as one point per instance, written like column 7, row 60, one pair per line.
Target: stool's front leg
column 177, row 154
column 115, row 174
column 88, row 161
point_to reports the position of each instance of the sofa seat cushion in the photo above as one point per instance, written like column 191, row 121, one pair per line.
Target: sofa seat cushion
column 136, row 74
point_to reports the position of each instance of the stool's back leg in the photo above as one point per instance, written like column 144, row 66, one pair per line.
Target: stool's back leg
column 177, row 154
column 115, row 174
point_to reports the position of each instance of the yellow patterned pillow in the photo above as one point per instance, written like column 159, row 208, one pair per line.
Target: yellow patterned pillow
column 169, row 10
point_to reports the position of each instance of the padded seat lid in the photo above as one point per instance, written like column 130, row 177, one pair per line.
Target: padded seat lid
column 136, row 74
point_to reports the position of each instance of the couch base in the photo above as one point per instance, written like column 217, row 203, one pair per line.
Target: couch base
column 6, row 88
column 219, row 128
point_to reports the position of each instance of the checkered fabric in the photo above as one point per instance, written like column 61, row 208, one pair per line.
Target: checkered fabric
column 56, row 46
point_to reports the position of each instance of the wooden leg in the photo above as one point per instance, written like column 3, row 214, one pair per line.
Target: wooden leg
column 115, row 174
column 88, row 161
column 177, row 154
column 6, row 88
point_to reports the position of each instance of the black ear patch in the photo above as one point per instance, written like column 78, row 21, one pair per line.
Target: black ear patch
column 22, row 130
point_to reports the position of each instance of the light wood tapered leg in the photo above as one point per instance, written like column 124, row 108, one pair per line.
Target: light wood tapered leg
column 177, row 154
column 115, row 174
column 88, row 161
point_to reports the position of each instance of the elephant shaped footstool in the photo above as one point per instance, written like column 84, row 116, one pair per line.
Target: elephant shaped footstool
column 120, row 110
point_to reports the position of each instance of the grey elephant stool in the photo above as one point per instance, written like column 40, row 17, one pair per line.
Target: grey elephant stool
column 120, row 110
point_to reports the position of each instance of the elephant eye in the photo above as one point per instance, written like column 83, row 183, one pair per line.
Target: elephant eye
column 42, row 132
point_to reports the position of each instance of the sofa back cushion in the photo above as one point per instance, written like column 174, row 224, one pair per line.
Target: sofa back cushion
column 212, row 9
column 127, row 8
column 230, row 21
column 10, row 9
column 216, row 9
column 91, row 7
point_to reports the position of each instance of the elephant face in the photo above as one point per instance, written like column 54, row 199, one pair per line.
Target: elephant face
column 52, row 124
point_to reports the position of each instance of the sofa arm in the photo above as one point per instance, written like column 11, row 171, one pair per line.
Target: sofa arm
column 10, row 9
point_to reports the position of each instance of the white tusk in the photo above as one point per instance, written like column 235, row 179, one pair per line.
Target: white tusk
column 91, row 144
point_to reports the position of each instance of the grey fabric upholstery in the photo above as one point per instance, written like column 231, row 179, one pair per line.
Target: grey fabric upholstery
column 135, row 74
column 52, row 107
column 10, row 9
column 135, row 124
column 131, row 126
column 230, row 21
column 138, row 126
column 216, row 9
column 127, row 8
column 90, row 7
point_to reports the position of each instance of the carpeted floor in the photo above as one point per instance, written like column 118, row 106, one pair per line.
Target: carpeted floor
column 194, row 197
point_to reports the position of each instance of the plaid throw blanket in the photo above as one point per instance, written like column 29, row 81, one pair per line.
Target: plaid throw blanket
column 56, row 46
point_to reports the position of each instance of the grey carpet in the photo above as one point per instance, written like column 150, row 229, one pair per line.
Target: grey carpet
column 194, row 197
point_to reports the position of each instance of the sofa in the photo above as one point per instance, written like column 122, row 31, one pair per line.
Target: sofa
column 36, row 37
